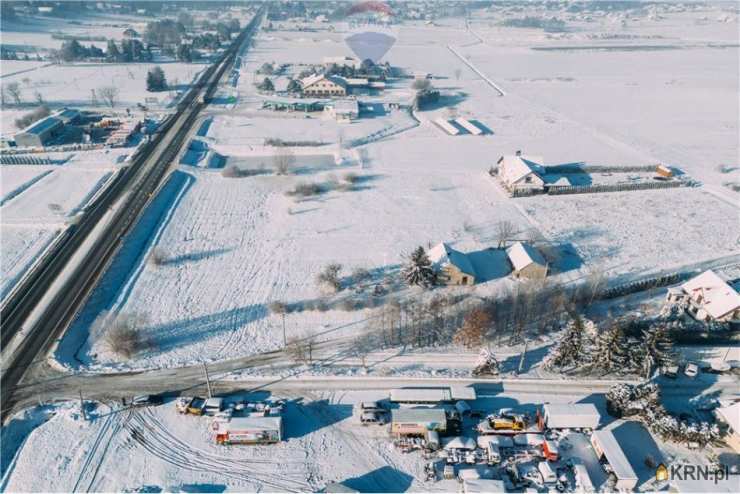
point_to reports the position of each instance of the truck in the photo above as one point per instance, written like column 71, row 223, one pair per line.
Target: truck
column 507, row 420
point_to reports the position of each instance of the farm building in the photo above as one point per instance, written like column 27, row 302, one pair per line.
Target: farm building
column 68, row 116
column 526, row 261
column 606, row 445
column 40, row 133
column 709, row 298
column 452, row 266
column 343, row 110
column 254, row 429
column 417, row 421
column 521, row 172
column 731, row 416
column 571, row 416
column 322, row 86
column 341, row 62
column 431, row 395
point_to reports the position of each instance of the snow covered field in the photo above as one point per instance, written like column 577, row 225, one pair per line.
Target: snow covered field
column 232, row 245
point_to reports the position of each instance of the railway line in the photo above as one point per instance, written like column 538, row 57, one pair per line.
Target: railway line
column 42, row 307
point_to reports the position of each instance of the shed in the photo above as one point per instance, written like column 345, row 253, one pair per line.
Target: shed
column 571, row 416
column 452, row 266
column 521, row 172
column 606, row 446
column 526, row 261
column 40, row 133
column 417, row 421
column 664, row 171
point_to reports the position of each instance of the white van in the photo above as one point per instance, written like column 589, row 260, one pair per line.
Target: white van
column 213, row 406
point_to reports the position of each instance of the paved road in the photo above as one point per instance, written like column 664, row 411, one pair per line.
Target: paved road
column 60, row 286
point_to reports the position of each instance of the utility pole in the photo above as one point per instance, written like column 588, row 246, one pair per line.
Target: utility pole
column 523, row 356
column 208, row 381
column 285, row 341
column 82, row 408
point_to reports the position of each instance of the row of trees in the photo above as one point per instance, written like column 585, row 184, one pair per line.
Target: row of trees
column 643, row 402
column 619, row 347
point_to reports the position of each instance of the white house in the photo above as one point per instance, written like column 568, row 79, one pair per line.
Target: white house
column 709, row 298
column 520, row 172
column 452, row 266
column 526, row 261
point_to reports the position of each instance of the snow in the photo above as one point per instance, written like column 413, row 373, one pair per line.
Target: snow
column 15, row 178
column 19, row 247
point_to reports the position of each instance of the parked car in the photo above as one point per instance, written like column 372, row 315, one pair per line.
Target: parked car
column 196, row 406
column 146, row 400
column 692, row 370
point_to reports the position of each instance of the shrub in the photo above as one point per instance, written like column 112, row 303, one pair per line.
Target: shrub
column 277, row 307
column 351, row 178
column 29, row 118
column 307, row 189
column 158, row 257
column 233, row 171
column 347, row 304
column 329, row 277
column 124, row 338
column 360, row 275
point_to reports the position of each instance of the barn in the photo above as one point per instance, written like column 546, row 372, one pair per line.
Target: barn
column 526, row 261
column 452, row 266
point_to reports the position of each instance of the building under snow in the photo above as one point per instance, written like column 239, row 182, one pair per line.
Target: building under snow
column 526, row 261
column 322, row 86
column 571, row 416
column 520, row 172
column 343, row 110
column 452, row 266
column 606, row 445
column 709, row 298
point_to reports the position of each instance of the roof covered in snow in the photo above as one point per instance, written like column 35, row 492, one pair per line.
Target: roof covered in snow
column 483, row 485
column 514, row 168
column 345, row 106
column 443, row 255
column 614, row 454
column 522, row 255
column 259, row 423
column 419, row 415
column 713, row 293
column 731, row 415
column 313, row 79
column 459, row 442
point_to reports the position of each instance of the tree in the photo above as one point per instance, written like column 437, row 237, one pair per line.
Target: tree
column 39, row 98
column 569, row 351
column 155, row 79
column 266, row 85
column 266, row 68
column 329, row 277
column 475, row 326
column 281, row 309
column 283, row 160
column 610, row 352
column 659, row 345
column 109, row 95
column 71, row 50
column 505, row 231
column 14, row 91
column 294, row 86
column 418, row 269
column 301, row 349
column 185, row 52
column 112, row 52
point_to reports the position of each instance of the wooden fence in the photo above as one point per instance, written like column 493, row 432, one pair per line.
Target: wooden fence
column 589, row 189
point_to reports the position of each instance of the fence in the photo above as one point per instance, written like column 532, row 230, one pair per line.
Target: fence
column 25, row 159
column 589, row 189
column 642, row 285
column 583, row 168
column 48, row 149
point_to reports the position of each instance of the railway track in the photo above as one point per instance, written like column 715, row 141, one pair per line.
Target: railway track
column 65, row 277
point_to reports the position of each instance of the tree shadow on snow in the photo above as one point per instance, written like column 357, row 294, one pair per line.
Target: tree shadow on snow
column 195, row 256
column 175, row 334
column 531, row 360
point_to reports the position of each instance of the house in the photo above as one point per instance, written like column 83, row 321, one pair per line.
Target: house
column 253, row 429
column 731, row 416
column 40, row 133
column 526, row 261
column 322, row 86
column 709, row 298
column 452, row 267
column 606, row 446
column 343, row 110
column 520, row 172
column 68, row 116
column 417, row 421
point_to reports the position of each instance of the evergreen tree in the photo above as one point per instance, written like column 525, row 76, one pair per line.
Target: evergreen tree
column 294, row 86
column 418, row 270
column 184, row 52
column 659, row 345
column 113, row 54
column 266, row 85
column 569, row 351
column 610, row 352
column 155, row 79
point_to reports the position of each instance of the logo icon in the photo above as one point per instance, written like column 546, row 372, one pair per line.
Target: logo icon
column 661, row 473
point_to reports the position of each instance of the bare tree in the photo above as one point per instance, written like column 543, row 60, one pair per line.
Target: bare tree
column 14, row 91
column 158, row 257
column 475, row 326
column 505, row 231
column 39, row 97
column 328, row 278
column 123, row 335
column 300, row 349
column 595, row 283
column 283, row 161
column 280, row 308
column 109, row 95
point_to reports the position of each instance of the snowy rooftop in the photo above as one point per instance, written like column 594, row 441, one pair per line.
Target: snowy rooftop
column 483, row 485
column 255, row 422
column 716, row 296
column 613, row 452
column 313, row 79
column 345, row 106
column 731, row 415
column 517, row 167
column 522, row 255
column 435, row 415
column 572, row 409
column 442, row 255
